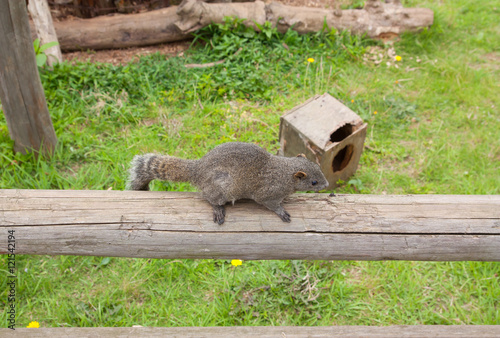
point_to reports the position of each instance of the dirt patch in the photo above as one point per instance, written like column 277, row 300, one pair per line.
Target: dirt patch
column 123, row 56
column 491, row 61
column 493, row 57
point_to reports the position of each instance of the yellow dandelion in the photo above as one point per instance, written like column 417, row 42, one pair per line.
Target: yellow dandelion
column 236, row 262
column 33, row 325
column 397, row 82
column 375, row 112
column 398, row 58
column 352, row 101
column 310, row 60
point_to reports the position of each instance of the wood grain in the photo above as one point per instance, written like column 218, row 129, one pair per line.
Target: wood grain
column 263, row 331
column 179, row 225
column 21, row 90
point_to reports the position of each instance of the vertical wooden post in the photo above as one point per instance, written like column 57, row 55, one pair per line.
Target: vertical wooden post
column 21, row 91
column 40, row 13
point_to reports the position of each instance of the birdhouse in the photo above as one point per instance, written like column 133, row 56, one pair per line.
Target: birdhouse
column 328, row 133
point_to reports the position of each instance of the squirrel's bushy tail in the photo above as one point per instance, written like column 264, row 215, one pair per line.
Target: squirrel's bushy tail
column 145, row 168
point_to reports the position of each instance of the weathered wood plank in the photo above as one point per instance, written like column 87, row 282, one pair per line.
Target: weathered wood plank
column 106, row 240
column 179, row 225
column 423, row 214
column 21, row 90
column 264, row 331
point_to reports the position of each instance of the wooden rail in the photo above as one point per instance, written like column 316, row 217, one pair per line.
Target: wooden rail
column 179, row 225
column 264, row 331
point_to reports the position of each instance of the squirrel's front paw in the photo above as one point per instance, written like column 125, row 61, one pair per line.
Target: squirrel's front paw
column 219, row 214
column 285, row 216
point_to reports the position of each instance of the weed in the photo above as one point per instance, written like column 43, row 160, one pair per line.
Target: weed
column 41, row 56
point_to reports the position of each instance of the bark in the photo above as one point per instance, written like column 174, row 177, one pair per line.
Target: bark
column 377, row 20
column 197, row 14
column 120, row 31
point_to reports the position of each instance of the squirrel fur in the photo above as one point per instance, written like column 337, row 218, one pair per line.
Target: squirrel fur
column 233, row 171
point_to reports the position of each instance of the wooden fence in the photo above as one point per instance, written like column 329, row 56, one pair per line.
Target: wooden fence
column 179, row 225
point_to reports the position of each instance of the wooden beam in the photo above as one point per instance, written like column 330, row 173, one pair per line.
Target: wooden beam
column 21, row 91
column 179, row 225
column 263, row 331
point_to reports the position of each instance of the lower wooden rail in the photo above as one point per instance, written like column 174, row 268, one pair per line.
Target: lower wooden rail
column 179, row 225
column 468, row 331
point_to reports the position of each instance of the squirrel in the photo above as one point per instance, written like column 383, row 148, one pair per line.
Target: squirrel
column 233, row 171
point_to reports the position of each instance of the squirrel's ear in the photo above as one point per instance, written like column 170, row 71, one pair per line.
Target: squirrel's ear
column 301, row 155
column 300, row 175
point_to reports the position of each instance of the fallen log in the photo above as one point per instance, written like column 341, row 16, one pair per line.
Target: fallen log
column 377, row 19
column 120, row 31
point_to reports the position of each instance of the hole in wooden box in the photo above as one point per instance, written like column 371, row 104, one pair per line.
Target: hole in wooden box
column 343, row 157
column 341, row 133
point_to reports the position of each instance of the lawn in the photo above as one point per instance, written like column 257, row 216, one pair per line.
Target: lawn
column 434, row 128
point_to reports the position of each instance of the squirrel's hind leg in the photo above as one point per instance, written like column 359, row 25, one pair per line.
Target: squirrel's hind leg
column 215, row 195
column 219, row 214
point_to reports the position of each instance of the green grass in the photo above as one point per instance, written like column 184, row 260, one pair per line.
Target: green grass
column 436, row 131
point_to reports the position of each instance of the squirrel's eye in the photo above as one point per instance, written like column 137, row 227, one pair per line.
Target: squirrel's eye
column 314, row 182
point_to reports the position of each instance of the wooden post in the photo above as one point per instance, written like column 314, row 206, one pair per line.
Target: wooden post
column 40, row 13
column 21, row 91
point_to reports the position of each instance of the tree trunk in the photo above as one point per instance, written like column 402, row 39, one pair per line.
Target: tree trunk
column 42, row 19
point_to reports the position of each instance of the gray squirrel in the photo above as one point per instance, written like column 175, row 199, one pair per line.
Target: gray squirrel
column 232, row 171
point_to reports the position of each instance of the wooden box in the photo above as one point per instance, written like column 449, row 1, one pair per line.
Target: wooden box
column 328, row 133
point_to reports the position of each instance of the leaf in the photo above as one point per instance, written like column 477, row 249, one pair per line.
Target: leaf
column 47, row 46
column 259, row 26
column 36, row 45
column 41, row 59
column 105, row 261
